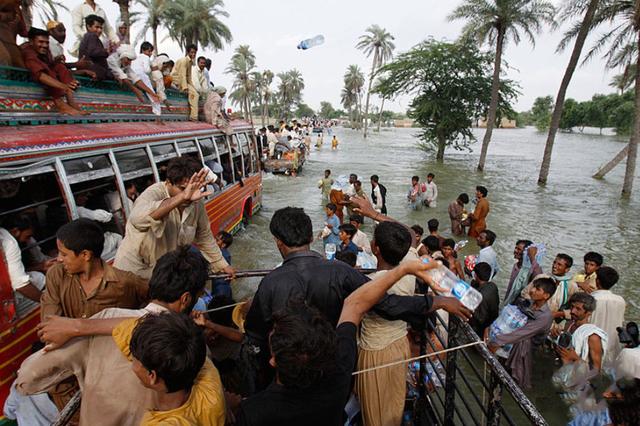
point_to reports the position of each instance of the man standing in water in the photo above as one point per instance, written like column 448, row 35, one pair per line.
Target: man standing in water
column 378, row 195
column 479, row 215
column 430, row 191
column 456, row 212
column 325, row 185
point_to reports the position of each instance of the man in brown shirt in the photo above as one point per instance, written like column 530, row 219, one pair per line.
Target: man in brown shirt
column 167, row 215
column 82, row 284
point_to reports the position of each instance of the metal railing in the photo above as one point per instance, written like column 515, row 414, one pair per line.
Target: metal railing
column 473, row 389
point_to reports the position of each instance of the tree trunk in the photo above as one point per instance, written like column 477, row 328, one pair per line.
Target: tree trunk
column 124, row 17
column 380, row 116
column 154, row 30
column 27, row 12
column 366, row 103
column 564, row 85
column 630, row 170
column 602, row 171
column 442, row 143
column 493, row 105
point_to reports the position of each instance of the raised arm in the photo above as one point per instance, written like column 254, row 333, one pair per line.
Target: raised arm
column 55, row 331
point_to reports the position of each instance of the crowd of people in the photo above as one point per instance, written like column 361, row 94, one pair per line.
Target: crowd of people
column 105, row 54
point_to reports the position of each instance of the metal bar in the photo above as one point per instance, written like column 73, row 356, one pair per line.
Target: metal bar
column 28, row 206
column 119, row 184
column 495, row 401
column 66, row 189
column 450, row 386
column 69, row 410
column 154, row 168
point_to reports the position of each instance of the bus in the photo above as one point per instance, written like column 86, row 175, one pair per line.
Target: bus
column 50, row 174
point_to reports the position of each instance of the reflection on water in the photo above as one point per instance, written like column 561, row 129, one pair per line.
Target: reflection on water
column 573, row 214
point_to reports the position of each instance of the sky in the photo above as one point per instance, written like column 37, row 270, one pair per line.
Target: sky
column 273, row 28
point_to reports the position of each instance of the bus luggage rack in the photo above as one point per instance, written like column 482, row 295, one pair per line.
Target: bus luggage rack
column 38, row 118
column 474, row 389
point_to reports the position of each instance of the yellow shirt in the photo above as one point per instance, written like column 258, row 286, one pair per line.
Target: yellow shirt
column 205, row 405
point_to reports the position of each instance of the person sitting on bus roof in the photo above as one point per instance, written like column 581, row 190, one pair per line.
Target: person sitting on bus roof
column 168, row 214
column 57, row 36
column 27, row 286
column 112, row 393
column 214, row 113
column 55, row 77
column 92, row 49
column 142, row 67
column 120, row 66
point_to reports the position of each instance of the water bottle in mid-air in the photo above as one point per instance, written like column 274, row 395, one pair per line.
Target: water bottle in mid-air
column 311, row 42
column 330, row 251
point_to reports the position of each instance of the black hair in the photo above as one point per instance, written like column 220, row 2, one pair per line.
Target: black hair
column 226, row 238
column 177, row 272
column 526, row 243
column 82, row 234
column 375, row 178
column 587, row 300
column 568, row 259
column 348, row 257
column 432, row 243
column 481, row 189
column 202, row 57
column 491, row 236
column 416, row 178
column 464, row 198
column 356, row 218
column 357, row 182
column 292, row 226
column 91, row 19
column 182, row 168
column 546, row 284
column 349, row 229
column 482, row 271
column 20, row 221
column 208, row 63
column 431, row 175
column 191, row 47
column 352, row 174
column 594, row 257
column 624, row 410
column 393, row 240
column 433, row 224
column 170, row 61
column 303, row 344
column 449, row 242
column 327, row 170
column 146, row 46
column 417, row 229
column 332, row 207
column 172, row 345
column 607, row 277
column 222, row 316
column 36, row 32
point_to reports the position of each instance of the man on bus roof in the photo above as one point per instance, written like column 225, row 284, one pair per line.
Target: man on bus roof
column 169, row 214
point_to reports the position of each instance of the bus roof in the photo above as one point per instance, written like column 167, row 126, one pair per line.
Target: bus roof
column 24, row 142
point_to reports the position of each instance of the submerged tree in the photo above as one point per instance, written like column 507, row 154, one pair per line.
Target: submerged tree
column 198, row 22
column 496, row 22
column 351, row 94
column 379, row 43
column 451, row 85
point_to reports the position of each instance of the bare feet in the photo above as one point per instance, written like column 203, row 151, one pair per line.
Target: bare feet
column 68, row 110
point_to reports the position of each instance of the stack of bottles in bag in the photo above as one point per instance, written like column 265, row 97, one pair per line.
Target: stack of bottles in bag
column 454, row 286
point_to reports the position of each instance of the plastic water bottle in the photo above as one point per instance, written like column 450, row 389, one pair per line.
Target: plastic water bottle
column 460, row 245
column 330, row 251
column 455, row 287
column 311, row 42
column 510, row 319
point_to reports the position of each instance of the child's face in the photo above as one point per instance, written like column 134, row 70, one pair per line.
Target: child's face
column 328, row 211
column 219, row 242
column 344, row 237
column 447, row 251
column 590, row 267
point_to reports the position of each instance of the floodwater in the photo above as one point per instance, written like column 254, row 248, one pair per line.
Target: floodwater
column 573, row 214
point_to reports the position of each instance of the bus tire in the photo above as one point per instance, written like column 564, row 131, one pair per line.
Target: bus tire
column 246, row 213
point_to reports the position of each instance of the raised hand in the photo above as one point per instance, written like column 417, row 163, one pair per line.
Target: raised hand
column 55, row 331
column 192, row 191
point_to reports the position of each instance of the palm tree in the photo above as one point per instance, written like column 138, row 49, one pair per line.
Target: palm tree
column 48, row 10
column 622, row 40
column 242, row 63
column 352, row 93
column 580, row 32
column 263, row 92
column 289, row 90
column 198, row 22
column 155, row 11
column 496, row 22
column 379, row 83
column 624, row 80
column 379, row 43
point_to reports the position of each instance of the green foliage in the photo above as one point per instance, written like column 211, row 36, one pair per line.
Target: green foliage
column 450, row 84
column 304, row 110
column 198, row 22
column 352, row 93
column 289, row 91
column 541, row 112
column 328, row 112
column 572, row 115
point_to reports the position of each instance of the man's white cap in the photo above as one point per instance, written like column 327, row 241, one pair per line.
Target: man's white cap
column 126, row 51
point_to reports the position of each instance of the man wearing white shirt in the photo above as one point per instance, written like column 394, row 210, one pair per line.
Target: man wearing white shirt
column 360, row 239
column 487, row 254
column 78, row 14
column 199, row 78
column 430, row 191
column 120, row 66
column 610, row 308
column 143, row 68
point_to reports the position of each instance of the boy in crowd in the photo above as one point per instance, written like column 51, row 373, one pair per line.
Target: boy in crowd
column 332, row 223
column 488, row 310
column 610, row 309
column 456, row 214
column 586, row 278
column 487, row 254
column 520, row 362
column 224, row 241
column 560, row 273
column 324, row 184
column 432, row 226
column 419, row 232
column 360, row 239
column 143, row 68
column 430, row 191
column 414, row 196
column 92, row 49
column 346, row 233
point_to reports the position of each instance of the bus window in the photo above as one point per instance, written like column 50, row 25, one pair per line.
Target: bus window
column 246, row 156
column 32, row 195
column 237, row 157
column 225, row 160
column 211, row 161
column 253, row 153
column 93, row 184
column 189, row 149
column 137, row 175
column 161, row 156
